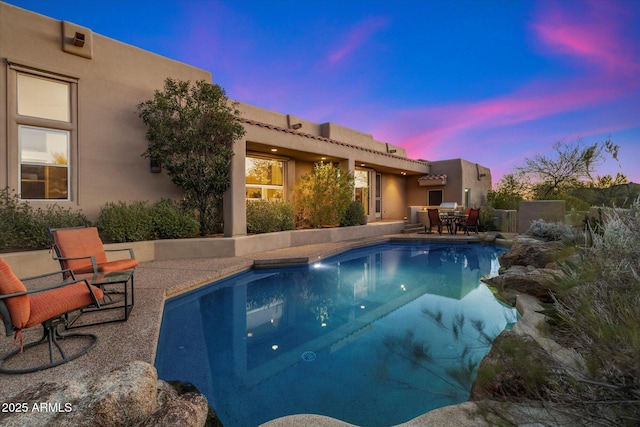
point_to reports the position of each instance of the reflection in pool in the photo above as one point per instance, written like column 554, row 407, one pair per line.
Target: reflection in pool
column 375, row 336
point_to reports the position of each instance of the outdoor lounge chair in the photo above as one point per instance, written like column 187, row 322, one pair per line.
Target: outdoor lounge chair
column 80, row 250
column 21, row 309
column 470, row 222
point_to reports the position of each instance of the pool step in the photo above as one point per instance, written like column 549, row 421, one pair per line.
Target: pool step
column 412, row 227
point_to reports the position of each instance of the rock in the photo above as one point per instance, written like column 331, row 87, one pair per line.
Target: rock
column 187, row 410
column 125, row 397
column 526, row 280
column 527, row 251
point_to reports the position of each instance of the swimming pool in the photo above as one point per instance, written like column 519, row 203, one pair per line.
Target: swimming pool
column 374, row 336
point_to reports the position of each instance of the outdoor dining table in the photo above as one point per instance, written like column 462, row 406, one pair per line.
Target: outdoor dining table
column 451, row 220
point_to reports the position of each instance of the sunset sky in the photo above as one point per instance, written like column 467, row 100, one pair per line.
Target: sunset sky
column 491, row 81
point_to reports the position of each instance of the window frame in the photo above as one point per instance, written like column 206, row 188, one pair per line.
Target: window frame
column 15, row 120
column 45, row 165
column 265, row 188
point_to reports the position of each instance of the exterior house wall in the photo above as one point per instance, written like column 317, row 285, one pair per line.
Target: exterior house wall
column 106, row 146
column 109, row 79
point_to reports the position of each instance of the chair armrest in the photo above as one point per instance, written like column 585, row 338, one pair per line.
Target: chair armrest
column 48, row 288
column 131, row 254
column 94, row 264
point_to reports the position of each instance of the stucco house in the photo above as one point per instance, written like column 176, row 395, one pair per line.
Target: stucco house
column 70, row 133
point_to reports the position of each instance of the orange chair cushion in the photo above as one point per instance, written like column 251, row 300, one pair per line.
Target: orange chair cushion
column 56, row 302
column 19, row 307
column 80, row 242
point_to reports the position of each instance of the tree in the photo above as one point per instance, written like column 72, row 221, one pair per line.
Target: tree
column 566, row 166
column 323, row 196
column 191, row 131
column 509, row 192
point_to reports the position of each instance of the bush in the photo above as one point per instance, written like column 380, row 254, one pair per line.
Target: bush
column 266, row 216
column 121, row 222
column 486, row 221
column 354, row 215
column 554, row 231
column 597, row 310
column 52, row 216
column 23, row 227
column 171, row 221
column 322, row 196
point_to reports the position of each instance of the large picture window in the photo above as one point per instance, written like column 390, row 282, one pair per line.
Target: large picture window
column 264, row 178
column 44, row 163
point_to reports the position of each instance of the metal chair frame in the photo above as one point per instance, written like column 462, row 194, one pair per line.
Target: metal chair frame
column 51, row 335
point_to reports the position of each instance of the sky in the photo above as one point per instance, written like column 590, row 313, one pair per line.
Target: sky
column 492, row 81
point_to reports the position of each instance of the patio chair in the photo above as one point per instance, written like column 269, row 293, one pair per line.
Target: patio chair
column 470, row 222
column 434, row 220
column 21, row 309
column 80, row 250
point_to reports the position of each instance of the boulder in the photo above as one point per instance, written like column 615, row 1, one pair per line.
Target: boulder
column 525, row 280
column 187, row 410
column 527, row 251
column 129, row 396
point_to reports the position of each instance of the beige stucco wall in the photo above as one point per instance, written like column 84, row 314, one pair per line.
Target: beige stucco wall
column 461, row 175
column 105, row 155
column 547, row 210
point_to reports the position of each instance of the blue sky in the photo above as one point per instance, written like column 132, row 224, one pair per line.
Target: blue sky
column 491, row 81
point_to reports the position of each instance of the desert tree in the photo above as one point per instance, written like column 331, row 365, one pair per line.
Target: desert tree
column 568, row 165
column 191, row 129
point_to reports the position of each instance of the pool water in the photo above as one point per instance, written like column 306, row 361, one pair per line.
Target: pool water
column 374, row 336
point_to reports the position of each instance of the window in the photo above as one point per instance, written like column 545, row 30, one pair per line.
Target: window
column 44, row 163
column 44, row 134
column 361, row 178
column 43, row 98
column 435, row 197
column 264, row 178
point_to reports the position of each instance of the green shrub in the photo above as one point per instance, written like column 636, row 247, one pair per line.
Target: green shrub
column 354, row 215
column 171, row 221
column 23, row 227
column 122, row 222
column 486, row 221
column 323, row 196
column 554, row 231
column 266, row 216
column 53, row 216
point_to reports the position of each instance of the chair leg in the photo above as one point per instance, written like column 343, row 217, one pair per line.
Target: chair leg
column 51, row 337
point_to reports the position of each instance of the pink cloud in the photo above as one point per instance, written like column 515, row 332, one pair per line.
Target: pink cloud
column 594, row 34
column 356, row 38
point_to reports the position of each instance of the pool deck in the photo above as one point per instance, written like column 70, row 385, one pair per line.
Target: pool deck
column 123, row 342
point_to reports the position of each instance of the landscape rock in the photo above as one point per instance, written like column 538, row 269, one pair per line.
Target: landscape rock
column 525, row 280
column 124, row 397
column 527, row 251
column 187, row 410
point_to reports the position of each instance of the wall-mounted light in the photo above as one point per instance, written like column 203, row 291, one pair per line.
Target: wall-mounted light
column 403, row 173
column 154, row 165
column 78, row 40
column 273, row 150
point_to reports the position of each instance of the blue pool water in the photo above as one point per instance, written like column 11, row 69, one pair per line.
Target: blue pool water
column 374, row 336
